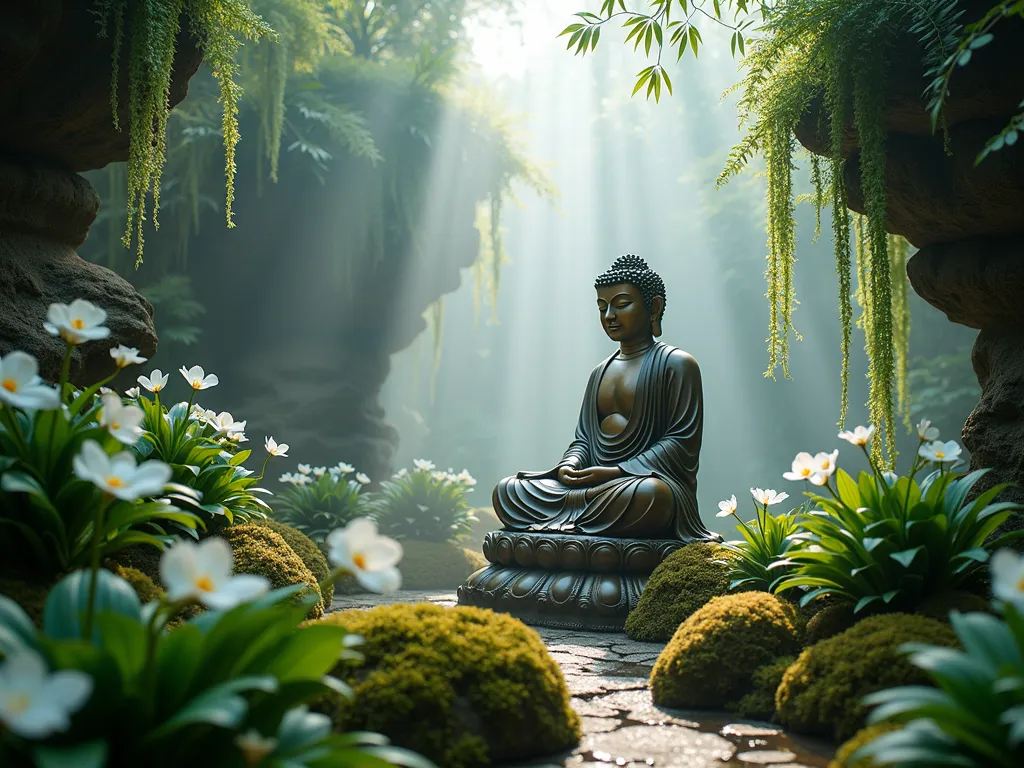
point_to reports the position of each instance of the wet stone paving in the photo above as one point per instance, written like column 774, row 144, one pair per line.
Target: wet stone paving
column 607, row 676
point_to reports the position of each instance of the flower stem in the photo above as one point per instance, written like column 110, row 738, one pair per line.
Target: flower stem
column 97, row 525
column 65, row 373
column 264, row 468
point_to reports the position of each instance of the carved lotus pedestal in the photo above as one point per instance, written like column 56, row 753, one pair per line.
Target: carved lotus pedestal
column 55, row 121
column 564, row 581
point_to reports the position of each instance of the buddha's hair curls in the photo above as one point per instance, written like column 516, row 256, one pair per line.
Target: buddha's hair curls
column 634, row 270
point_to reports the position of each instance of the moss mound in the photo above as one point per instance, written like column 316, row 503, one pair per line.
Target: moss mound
column 821, row 692
column 862, row 738
column 829, row 622
column 143, row 585
column 142, row 557
column 939, row 606
column 261, row 551
column 462, row 686
column 436, row 564
column 306, row 549
column 684, row 582
column 713, row 655
column 759, row 704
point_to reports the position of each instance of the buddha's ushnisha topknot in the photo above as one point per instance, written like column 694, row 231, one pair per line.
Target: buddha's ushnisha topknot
column 634, row 270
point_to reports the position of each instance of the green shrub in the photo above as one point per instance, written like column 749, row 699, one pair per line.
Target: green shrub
column 681, row 584
column 940, row 606
column 713, row 655
column 437, row 564
column 424, row 505
column 144, row 587
column 318, row 500
column 462, row 686
column 260, row 551
column 759, row 704
column 862, row 737
column 821, row 692
column 829, row 622
column 757, row 557
column 308, row 552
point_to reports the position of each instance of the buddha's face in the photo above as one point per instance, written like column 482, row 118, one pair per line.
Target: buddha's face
column 623, row 314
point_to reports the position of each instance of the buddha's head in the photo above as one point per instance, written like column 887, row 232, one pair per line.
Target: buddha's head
column 630, row 299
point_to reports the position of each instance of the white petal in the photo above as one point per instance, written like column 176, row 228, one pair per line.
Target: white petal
column 382, row 582
column 67, row 689
column 359, row 532
column 37, row 722
column 235, row 591
column 178, row 570
column 20, row 366
column 381, row 553
column 214, row 557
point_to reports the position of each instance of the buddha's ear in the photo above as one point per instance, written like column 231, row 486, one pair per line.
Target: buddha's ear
column 657, row 310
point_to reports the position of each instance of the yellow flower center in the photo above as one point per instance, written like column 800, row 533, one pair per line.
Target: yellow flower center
column 360, row 561
column 114, row 425
column 196, row 383
column 826, row 464
column 806, row 471
column 940, row 454
column 204, row 583
column 115, row 482
column 78, row 323
column 10, row 385
column 18, row 703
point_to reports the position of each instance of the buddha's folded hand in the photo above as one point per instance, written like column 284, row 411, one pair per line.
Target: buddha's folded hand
column 588, row 477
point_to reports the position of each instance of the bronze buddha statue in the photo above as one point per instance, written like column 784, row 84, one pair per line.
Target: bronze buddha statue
column 580, row 540
column 632, row 469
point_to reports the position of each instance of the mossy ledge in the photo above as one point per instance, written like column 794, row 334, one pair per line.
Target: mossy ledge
column 462, row 686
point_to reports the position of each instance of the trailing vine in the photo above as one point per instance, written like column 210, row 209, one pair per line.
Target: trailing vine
column 153, row 27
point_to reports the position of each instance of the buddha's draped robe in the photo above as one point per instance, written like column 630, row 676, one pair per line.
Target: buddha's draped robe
column 660, row 442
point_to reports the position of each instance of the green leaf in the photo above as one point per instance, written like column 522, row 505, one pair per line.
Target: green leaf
column 91, row 754
column 16, row 628
column 66, row 604
column 906, row 557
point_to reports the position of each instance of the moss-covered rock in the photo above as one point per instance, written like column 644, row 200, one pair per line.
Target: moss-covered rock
column 759, row 704
column 830, row 621
column 144, row 586
column 821, row 691
column 436, row 564
column 939, row 606
column 142, row 557
column 306, row 549
column 462, row 686
column 261, row 551
column 685, row 581
column 862, row 738
column 713, row 655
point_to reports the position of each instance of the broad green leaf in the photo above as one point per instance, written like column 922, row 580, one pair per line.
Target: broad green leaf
column 67, row 602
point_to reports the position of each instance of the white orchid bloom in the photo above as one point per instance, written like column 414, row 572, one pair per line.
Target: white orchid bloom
column 122, row 421
column 319, row 471
column 35, row 703
column 767, row 497
column 367, row 555
column 202, row 572
column 20, row 385
column 422, row 465
column 727, row 507
column 125, row 356
column 156, row 381
column 274, row 448
column 362, row 479
column 254, row 746
column 132, row 393
column 77, row 322
column 939, row 452
column 197, row 378
column 305, row 469
column 803, row 467
column 118, row 475
column 1007, row 569
column 926, row 433
column 824, row 467
column 859, row 436
column 344, row 469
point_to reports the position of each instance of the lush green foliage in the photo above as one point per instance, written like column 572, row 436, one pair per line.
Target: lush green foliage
column 317, row 500
column 757, row 561
column 424, row 505
column 974, row 714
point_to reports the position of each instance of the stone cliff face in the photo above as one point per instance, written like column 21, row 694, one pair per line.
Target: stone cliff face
column 56, row 120
column 966, row 219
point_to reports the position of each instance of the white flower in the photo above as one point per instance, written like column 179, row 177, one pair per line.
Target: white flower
column 34, row 703
column 274, row 449
column 302, row 479
column 156, row 381
column 319, row 471
column 939, row 452
column 122, row 421
column 403, row 472
column 1008, row 577
column 198, row 378
column 21, row 386
column 368, row 556
column 225, row 422
column 767, row 497
column 106, row 391
column 287, row 477
column 824, row 467
column 118, row 475
column 237, row 436
column 727, row 507
column 422, row 465
column 859, row 436
column 362, row 479
column 465, row 478
column 77, row 322
column 132, row 392
column 202, row 572
column 344, row 469
column 125, row 356
column 803, row 467
column 926, row 432
column 254, row 746
column 305, row 469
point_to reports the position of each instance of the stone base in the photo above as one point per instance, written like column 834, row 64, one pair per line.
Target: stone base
column 564, row 581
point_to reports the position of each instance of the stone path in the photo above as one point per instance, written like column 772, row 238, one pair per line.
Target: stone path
column 607, row 675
